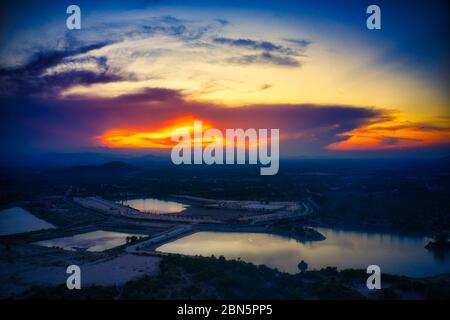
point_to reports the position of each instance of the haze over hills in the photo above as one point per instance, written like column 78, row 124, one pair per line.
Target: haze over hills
column 114, row 167
column 64, row 160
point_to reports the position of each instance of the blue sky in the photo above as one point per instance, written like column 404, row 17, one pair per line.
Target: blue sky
column 311, row 68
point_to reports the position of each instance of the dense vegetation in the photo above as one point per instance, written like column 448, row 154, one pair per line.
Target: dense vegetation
column 217, row 278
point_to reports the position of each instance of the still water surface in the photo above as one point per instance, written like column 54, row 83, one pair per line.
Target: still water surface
column 155, row 206
column 94, row 241
column 18, row 220
column 344, row 249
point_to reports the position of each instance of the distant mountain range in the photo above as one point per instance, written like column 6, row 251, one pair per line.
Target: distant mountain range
column 98, row 172
column 90, row 161
column 114, row 167
column 64, row 160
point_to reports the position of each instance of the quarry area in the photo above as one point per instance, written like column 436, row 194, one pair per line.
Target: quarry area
column 113, row 242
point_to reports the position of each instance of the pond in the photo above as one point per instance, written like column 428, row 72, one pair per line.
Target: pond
column 394, row 254
column 18, row 220
column 94, row 241
column 155, row 206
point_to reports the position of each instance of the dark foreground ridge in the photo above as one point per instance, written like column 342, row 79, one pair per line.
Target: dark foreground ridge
column 216, row 278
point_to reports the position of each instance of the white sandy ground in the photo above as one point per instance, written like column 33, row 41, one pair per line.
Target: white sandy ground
column 16, row 278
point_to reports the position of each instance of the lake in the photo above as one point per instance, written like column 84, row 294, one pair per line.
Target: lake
column 94, row 241
column 394, row 254
column 18, row 220
column 155, row 206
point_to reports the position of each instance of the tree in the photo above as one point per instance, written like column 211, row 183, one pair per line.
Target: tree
column 442, row 238
column 302, row 266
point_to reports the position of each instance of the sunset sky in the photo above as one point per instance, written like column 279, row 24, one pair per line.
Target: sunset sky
column 137, row 70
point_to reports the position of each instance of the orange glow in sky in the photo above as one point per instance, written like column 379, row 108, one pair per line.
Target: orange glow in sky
column 392, row 136
column 159, row 138
column 387, row 135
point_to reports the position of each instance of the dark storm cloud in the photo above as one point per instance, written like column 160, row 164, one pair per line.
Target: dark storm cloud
column 265, row 58
column 413, row 126
column 393, row 141
column 255, row 45
column 269, row 52
column 299, row 42
column 77, row 123
column 223, row 22
column 43, row 60
column 177, row 28
column 31, row 79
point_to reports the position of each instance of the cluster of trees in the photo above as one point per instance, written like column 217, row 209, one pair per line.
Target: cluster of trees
column 440, row 242
column 133, row 239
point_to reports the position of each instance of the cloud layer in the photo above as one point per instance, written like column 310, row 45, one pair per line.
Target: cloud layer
column 81, row 122
column 150, row 71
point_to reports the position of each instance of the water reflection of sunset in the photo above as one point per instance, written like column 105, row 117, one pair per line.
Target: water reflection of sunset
column 343, row 249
